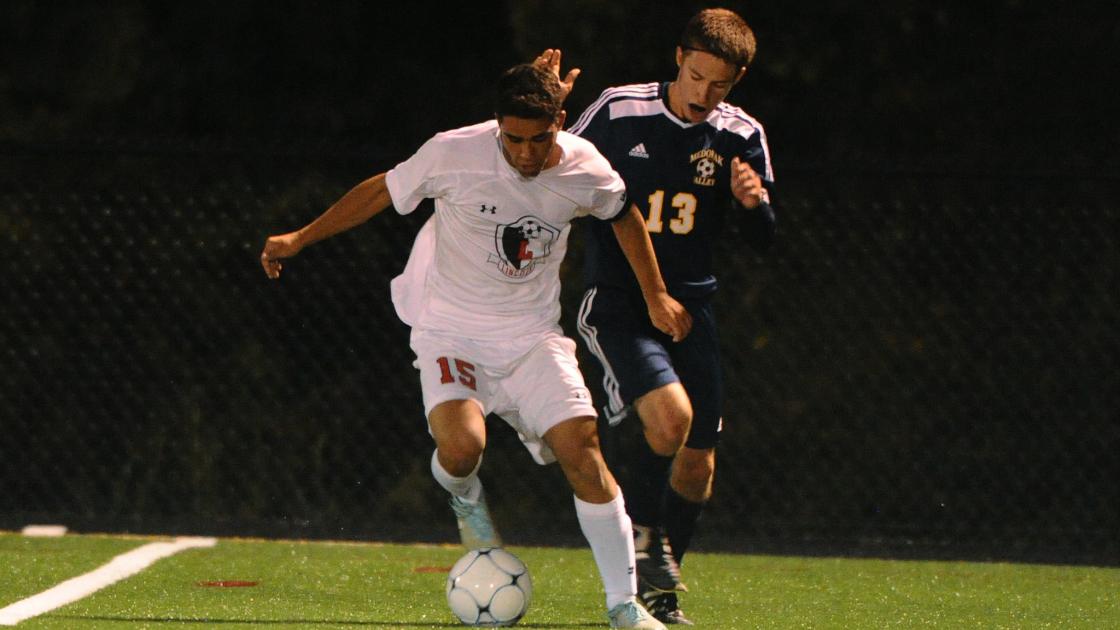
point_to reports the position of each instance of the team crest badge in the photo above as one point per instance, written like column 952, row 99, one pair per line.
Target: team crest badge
column 707, row 161
column 522, row 245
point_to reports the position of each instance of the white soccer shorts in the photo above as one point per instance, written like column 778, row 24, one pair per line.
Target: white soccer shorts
column 533, row 384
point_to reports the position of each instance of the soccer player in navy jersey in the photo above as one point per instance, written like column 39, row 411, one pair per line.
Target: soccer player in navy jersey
column 691, row 162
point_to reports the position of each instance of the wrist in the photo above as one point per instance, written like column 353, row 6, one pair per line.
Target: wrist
column 300, row 238
column 655, row 294
column 751, row 202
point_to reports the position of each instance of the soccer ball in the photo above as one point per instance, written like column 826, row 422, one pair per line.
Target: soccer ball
column 705, row 168
column 489, row 587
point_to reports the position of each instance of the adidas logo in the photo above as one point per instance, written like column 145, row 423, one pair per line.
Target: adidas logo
column 639, row 151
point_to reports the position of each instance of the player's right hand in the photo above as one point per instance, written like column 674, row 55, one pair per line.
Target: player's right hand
column 550, row 60
column 277, row 248
column 670, row 316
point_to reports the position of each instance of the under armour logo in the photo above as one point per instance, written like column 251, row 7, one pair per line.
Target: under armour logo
column 489, row 209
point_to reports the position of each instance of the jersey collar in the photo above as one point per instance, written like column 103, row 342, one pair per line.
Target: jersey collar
column 663, row 94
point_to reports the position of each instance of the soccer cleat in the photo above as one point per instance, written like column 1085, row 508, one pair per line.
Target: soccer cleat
column 476, row 530
column 657, row 568
column 664, row 608
column 630, row 614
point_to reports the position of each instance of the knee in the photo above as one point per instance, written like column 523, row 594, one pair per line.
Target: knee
column 588, row 469
column 576, row 446
column 580, row 457
column 459, row 430
column 460, row 454
column 666, row 435
column 666, row 415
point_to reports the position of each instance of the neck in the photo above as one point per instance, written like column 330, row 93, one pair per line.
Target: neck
column 553, row 156
column 676, row 105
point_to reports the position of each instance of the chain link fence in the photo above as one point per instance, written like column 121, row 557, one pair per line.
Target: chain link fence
column 925, row 363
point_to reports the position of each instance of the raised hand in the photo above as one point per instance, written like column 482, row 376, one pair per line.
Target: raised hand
column 550, row 60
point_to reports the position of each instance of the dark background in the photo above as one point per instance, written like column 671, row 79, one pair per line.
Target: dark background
column 995, row 85
column 926, row 364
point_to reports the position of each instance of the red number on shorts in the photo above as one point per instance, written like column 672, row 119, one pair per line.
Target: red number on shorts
column 465, row 370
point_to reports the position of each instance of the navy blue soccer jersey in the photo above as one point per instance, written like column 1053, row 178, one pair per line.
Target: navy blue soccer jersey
column 677, row 173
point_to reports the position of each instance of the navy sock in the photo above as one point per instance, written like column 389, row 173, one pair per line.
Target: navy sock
column 680, row 518
column 647, row 477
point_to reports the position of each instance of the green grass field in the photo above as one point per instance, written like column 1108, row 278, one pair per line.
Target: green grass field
column 341, row 585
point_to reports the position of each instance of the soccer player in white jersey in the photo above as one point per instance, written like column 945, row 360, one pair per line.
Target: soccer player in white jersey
column 481, row 292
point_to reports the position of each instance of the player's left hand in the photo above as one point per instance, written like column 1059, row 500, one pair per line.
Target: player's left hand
column 746, row 185
column 550, row 60
column 670, row 316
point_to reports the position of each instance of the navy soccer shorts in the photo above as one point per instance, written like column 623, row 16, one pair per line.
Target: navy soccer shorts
column 637, row 358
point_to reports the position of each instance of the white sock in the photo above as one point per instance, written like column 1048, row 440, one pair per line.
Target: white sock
column 607, row 528
column 469, row 487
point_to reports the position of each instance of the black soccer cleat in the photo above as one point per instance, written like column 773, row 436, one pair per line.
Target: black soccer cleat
column 657, row 568
column 664, row 608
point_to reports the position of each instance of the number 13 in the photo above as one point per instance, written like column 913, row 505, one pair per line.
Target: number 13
column 685, row 203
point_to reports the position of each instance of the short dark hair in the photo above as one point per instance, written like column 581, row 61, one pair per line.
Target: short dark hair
column 527, row 91
column 722, row 33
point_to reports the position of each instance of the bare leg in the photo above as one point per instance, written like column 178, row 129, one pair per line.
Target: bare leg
column 599, row 505
column 459, row 430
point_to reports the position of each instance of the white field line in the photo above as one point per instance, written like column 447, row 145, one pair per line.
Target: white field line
column 125, row 565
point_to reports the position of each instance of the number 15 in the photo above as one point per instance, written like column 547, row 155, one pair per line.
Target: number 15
column 465, row 370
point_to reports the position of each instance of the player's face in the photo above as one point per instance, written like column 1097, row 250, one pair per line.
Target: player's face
column 703, row 81
column 529, row 144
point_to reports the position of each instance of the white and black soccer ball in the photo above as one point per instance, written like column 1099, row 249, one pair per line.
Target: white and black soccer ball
column 489, row 587
column 531, row 229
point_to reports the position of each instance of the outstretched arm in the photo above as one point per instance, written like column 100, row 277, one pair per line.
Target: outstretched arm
column 667, row 314
column 354, row 208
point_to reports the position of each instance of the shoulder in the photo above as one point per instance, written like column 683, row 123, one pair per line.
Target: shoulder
column 748, row 134
column 576, row 146
column 634, row 99
column 458, row 148
column 634, row 91
column 732, row 119
column 583, row 153
column 482, row 131
column 584, row 163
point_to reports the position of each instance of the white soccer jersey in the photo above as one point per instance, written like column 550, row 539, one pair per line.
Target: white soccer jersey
column 487, row 264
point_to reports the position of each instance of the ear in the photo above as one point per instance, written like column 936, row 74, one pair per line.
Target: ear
column 560, row 118
column 742, row 73
column 680, row 56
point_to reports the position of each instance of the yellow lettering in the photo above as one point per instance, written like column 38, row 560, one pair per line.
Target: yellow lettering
column 706, row 153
